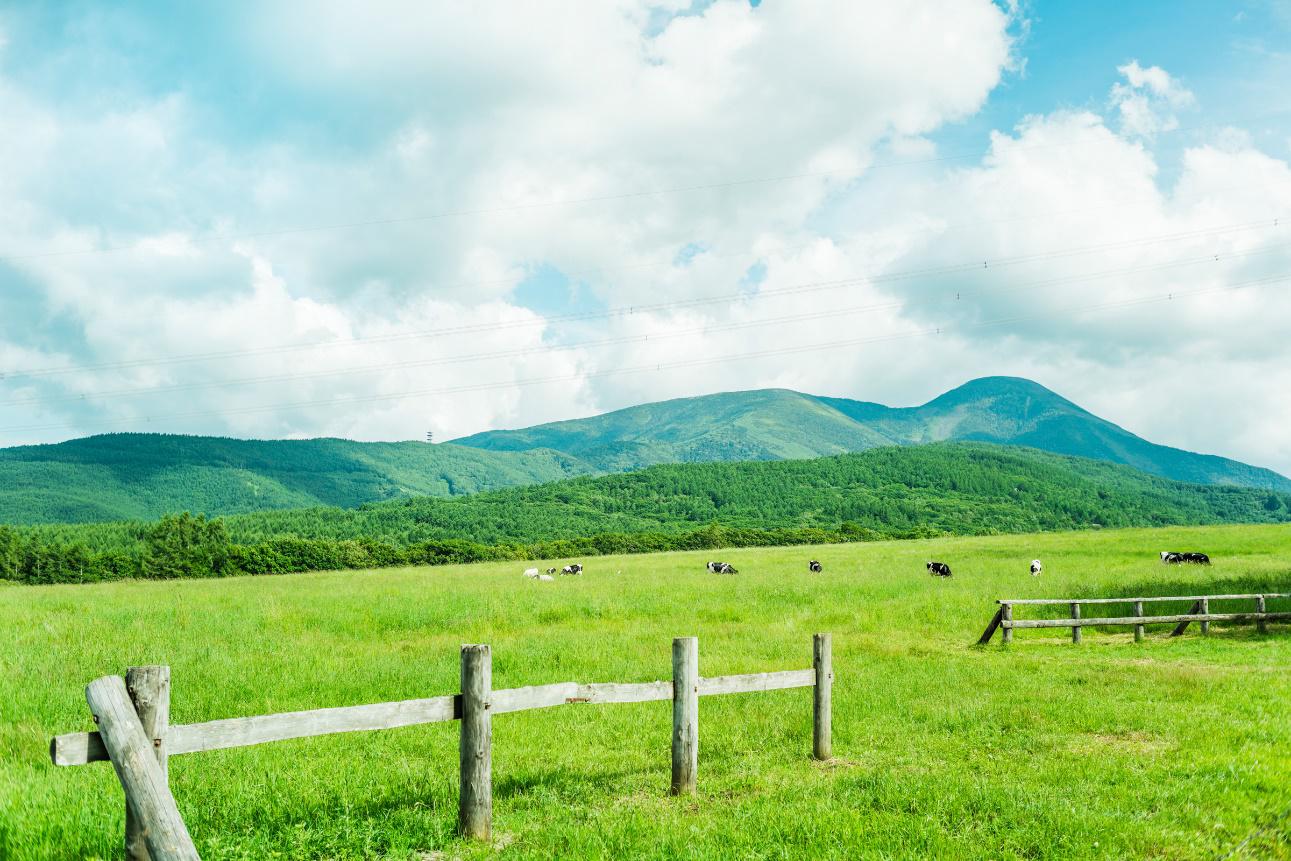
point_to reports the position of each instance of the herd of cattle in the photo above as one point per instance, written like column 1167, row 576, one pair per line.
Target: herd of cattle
column 936, row 569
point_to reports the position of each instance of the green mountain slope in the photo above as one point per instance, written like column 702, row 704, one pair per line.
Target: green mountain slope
column 774, row 424
column 146, row 475
column 895, row 491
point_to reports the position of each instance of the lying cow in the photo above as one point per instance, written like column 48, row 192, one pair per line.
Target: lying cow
column 814, row 567
column 1036, row 567
column 722, row 568
column 938, row 569
column 574, row 568
column 1173, row 558
column 531, row 572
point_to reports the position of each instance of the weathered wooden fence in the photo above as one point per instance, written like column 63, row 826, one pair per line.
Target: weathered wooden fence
column 136, row 736
column 1199, row 612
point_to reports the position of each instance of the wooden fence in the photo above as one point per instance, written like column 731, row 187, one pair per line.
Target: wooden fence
column 1199, row 612
column 135, row 735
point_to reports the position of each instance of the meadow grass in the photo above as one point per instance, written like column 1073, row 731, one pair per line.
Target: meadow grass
column 1170, row 748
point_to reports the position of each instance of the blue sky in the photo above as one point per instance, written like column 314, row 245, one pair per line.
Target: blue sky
column 297, row 219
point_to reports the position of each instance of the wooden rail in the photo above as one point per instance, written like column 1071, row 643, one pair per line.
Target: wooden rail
column 1199, row 612
column 154, row 831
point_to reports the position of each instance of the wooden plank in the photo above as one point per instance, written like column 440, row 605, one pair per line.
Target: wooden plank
column 475, row 802
column 77, row 748
column 1149, row 620
column 1039, row 601
column 685, row 714
column 562, row 693
column 132, row 756
column 149, row 690
column 753, row 682
column 1183, row 623
column 822, row 653
column 990, row 628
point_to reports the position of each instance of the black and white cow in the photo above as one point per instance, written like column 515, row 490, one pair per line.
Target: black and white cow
column 938, row 569
column 1036, row 567
column 1170, row 557
column 573, row 568
column 814, row 567
column 722, row 568
column 551, row 570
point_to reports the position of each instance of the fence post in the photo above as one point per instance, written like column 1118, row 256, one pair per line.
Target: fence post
column 1261, row 625
column 1075, row 629
column 149, row 689
column 1008, row 629
column 822, row 703
column 475, row 805
column 132, row 756
column 685, row 714
column 1205, row 608
column 1138, row 629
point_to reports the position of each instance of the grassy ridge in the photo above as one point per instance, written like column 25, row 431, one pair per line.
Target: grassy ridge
column 1172, row 749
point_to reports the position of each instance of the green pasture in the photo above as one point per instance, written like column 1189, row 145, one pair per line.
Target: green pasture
column 1169, row 749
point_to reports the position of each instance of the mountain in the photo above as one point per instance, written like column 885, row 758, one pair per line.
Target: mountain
column 777, row 424
column 122, row 476
column 961, row 488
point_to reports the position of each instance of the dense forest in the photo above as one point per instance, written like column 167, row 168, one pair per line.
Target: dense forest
column 894, row 492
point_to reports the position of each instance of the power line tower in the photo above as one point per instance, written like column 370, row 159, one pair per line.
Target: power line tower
column 430, row 436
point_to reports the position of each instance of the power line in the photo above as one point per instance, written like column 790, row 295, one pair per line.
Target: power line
column 968, row 266
column 660, row 366
column 706, row 329
column 604, row 198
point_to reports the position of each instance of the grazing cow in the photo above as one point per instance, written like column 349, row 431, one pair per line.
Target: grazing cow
column 1036, row 567
column 938, row 569
column 1170, row 557
column 814, row 567
column 531, row 572
column 722, row 568
column 574, row 568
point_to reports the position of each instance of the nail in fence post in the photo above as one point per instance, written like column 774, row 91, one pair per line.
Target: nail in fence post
column 1138, row 629
column 1075, row 629
column 1008, row 629
column 822, row 704
column 475, row 805
column 131, row 753
column 1261, row 625
column 1205, row 609
column 149, row 690
column 685, row 714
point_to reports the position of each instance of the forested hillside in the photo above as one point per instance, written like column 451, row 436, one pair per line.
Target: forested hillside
column 946, row 488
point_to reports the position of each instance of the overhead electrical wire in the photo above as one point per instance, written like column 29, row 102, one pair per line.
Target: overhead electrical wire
column 660, row 366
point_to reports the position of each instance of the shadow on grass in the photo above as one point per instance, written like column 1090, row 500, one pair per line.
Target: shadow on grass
column 563, row 783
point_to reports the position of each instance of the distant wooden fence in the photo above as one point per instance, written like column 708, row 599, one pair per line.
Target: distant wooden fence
column 136, row 736
column 1200, row 612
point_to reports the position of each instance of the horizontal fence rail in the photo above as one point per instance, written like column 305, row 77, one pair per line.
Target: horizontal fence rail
column 1199, row 612
column 149, row 690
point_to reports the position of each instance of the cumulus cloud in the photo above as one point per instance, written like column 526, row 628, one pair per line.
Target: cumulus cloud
column 1149, row 100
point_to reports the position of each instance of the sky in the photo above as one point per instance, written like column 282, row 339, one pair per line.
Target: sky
column 374, row 221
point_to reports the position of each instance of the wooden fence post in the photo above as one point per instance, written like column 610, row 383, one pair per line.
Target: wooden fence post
column 1075, row 629
column 1008, row 617
column 1261, row 625
column 133, row 757
column 149, row 689
column 475, row 804
column 822, row 702
column 1138, row 629
column 685, row 714
column 1205, row 608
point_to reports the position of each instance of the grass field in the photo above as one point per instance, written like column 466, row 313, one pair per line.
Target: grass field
column 1172, row 748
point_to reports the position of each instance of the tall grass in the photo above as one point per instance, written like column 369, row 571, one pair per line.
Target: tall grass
column 1172, row 748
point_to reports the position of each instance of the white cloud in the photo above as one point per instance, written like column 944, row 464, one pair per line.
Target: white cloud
column 1149, row 100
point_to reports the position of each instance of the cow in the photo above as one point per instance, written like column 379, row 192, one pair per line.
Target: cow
column 722, row 568
column 551, row 570
column 938, row 569
column 573, row 568
column 1170, row 557
column 814, row 567
column 546, row 578
column 1036, row 567
column 531, row 572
